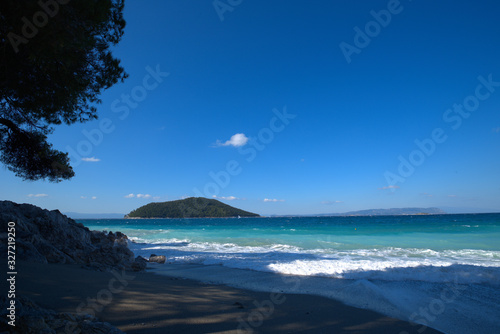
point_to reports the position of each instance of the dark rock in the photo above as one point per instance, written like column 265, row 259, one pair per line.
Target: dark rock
column 157, row 258
column 139, row 264
column 50, row 237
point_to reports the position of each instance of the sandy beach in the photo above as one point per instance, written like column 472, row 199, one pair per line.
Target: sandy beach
column 145, row 302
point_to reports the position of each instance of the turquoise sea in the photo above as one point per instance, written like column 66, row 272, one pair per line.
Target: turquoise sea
column 392, row 264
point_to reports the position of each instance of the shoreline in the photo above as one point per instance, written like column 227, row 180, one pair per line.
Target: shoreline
column 145, row 302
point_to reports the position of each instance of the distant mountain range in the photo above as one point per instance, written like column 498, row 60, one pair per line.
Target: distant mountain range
column 192, row 207
column 463, row 209
column 390, row 212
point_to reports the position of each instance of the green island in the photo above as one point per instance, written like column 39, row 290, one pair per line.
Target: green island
column 192, row 207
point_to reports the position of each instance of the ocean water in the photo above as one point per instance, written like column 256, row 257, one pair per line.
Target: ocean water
column 436, row 270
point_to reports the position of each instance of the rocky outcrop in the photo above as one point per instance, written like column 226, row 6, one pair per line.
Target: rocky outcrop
column 139, row 264
column 157, row 258
column 33, row 319
column 51, row 237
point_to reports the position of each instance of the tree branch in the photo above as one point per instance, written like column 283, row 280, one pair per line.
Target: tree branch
column 8, row 123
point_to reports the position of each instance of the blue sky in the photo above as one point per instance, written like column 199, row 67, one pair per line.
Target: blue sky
column 292, row 107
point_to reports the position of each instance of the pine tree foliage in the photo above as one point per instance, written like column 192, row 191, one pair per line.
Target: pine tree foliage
column 55, row 61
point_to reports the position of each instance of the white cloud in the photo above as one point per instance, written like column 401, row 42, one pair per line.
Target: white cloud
column 273, row 200
column 228, row 198
column 331, row 202
column 390, row 187
column 93, row 159
column 38, row 195
column 236, row 140
column 85, row 197
column 497, row 130
column 138, row 196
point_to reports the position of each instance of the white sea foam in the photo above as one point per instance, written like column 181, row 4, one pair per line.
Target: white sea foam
column 389, row 264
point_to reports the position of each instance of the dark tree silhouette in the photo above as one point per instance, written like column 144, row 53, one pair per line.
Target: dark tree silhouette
column 55, row 61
